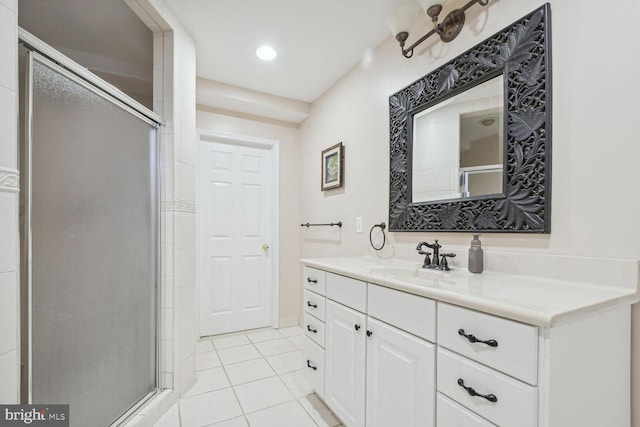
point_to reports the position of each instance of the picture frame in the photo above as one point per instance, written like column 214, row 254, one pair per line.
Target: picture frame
column 332, row 168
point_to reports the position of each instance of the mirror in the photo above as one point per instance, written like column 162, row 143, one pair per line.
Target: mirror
column 457, row 145
column 455, row 177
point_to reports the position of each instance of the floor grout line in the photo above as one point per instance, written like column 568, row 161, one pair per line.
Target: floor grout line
column 244, row 414
column 292, row 393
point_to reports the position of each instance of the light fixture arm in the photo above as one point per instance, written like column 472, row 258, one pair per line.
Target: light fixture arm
column 448, row 29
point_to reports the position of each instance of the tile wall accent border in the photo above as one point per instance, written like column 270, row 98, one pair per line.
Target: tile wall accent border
column 9, row 180
column 178, row 205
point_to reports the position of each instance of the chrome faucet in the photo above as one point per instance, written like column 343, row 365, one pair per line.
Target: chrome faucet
column 437, row 263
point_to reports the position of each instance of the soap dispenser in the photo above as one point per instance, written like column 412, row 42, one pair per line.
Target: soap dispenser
column 476, row 257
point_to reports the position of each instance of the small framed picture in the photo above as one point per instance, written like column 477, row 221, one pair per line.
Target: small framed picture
column 332, row 167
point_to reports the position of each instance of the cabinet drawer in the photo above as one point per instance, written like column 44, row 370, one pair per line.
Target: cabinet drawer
column 347, row 291
column 314, row 280
column 412, row 313
column 314, row 304
column 314, row 366
column 516, row 404
column 516, row 352
column 314, row 329
column 450, row 414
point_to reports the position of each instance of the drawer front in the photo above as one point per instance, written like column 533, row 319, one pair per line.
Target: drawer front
column 314, row 329
column 314, row 280
column 516, row 352
column 314, row 366
column 414, row 314
column 516, row 402
column 347, row 291
column 314, row 304
column 450, row 414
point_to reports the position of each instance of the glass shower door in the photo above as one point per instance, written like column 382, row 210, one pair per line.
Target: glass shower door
column 93, row 250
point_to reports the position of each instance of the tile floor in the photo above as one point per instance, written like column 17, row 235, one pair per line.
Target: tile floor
column 250, row 379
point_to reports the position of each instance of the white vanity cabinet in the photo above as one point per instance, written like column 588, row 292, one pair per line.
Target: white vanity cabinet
column 401, row 359
column 535, row 376
column 345, row 362
column 313, row 324
column 345, row 354
column 400, row 378
column 399, row 355
column 377, row 375
column 476, row 350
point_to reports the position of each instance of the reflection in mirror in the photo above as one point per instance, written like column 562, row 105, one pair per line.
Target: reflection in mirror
column 458, row 145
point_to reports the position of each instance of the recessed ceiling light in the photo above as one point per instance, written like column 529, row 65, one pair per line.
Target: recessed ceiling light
column 266, row 53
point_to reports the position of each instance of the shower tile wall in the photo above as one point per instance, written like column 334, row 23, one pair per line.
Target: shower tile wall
column 174, row 100
column 9, row 185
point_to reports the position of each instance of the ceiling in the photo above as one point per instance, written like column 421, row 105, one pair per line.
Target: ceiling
column 318, row 41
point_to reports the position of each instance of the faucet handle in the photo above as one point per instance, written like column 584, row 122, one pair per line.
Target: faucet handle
column 427, row 258
column 444, row 265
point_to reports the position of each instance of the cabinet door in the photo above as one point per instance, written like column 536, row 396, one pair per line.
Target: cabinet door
column 344, row 390
column 400, row 378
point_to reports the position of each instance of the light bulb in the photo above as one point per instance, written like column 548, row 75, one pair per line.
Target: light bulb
column 266, row 53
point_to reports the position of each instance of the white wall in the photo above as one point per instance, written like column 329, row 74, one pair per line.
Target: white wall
column 595, row 200
column 289, row 207
column 9, row 185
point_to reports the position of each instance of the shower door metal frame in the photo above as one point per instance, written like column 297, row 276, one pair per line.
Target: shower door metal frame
column 48, row 56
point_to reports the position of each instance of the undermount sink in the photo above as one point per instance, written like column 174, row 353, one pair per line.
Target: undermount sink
column 407, row 272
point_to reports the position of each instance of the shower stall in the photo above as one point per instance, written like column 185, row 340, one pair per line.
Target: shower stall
column 89, row 216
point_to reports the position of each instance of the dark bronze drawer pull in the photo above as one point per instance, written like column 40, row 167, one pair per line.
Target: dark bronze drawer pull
column 315, row 331
column 312, row 305
column 315, row 368
column 310, row 280
column 473, row 339
column 472, row 392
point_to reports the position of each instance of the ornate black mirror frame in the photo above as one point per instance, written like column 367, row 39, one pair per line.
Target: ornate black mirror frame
column 522, row 54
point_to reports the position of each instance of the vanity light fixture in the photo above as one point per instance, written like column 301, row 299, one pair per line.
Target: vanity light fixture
column 401, row 20
column 488, row 121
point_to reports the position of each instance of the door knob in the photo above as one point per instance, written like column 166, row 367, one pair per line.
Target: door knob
column 265, row 247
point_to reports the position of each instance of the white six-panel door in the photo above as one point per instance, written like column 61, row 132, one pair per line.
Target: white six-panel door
column 233, row 211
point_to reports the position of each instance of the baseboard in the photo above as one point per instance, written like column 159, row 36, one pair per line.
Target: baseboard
column 290, row 321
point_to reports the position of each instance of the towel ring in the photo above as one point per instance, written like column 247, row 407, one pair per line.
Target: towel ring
column 382, row 226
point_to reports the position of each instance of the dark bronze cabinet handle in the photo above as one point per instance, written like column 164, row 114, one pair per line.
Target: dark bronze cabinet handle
column 315, row 331
column 315, row 368
column 356, row 327
column 369, row 333
column 472, row 392
column 310, row 280
column 312, row 305
column 473, row 339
